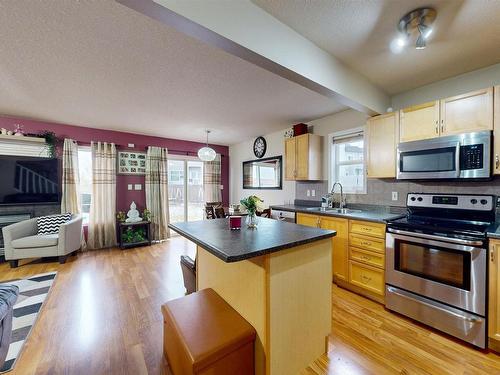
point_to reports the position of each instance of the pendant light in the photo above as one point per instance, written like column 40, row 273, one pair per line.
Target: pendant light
column 207, row 153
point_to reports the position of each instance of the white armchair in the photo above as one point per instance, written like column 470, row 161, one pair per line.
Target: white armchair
column 21, row 241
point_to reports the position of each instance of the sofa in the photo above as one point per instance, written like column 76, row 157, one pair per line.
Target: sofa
column 21, row 240
column 8, row 297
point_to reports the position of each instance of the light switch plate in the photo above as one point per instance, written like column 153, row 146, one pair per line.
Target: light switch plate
column 129, row 187
column 394, row 195
column 308, row 192
column 313, row 192
column 137, row 187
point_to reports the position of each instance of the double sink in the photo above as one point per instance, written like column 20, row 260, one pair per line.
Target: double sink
column 333, row 210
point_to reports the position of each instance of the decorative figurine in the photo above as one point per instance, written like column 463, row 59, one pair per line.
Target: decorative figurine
column 133, row 215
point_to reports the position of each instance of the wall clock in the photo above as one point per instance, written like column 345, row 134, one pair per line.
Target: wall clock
column 259, row 147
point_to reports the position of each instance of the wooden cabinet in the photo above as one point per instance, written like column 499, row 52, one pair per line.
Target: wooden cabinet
column 382, row 135
column 469, row 112
column 340, row 256
column 419, row 122
column 496, row 131
column 340, row 243
column 358, row 258
column 494, row 296
column 303, row 157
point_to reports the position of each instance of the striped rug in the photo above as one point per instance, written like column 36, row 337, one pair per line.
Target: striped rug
column 32, row 293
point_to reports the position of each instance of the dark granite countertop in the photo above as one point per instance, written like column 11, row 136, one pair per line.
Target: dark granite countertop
column 378, row 214
column 494, row 230
column 235, row 245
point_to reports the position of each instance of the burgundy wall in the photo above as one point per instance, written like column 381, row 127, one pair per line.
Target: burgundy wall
column 84, row 135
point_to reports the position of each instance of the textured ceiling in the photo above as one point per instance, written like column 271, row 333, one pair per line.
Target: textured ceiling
column 100, row 64
column 466, row 37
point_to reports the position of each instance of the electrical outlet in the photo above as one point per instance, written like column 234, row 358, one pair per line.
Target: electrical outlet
column 394, row 195
column 313, row 192
column 129, row 187
column 308, row 192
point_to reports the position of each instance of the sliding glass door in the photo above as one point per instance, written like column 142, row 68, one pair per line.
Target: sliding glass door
column 185, row 189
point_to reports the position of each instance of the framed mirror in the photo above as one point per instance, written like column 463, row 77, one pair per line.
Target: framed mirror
column 263, row 173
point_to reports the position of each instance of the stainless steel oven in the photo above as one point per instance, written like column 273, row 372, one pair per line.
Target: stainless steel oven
column 440, row 282
column 436, row 263
column 465, row 155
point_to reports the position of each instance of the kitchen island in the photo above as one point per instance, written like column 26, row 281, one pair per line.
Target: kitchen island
column 278, row 277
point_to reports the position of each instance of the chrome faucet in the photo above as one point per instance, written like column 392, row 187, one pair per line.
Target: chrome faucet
column 332, row 192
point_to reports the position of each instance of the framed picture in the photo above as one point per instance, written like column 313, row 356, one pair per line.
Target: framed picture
column 133, row 163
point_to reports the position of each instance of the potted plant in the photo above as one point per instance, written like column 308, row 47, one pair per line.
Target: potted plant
column 120, row 216
column 146, row 215
column 252, row 204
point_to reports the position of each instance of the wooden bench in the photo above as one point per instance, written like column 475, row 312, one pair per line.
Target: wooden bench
column 203, row 334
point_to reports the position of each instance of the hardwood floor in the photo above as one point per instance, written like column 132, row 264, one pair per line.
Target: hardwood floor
column 103, row 317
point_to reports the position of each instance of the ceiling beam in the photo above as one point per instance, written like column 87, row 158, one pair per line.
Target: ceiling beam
column 243, row 29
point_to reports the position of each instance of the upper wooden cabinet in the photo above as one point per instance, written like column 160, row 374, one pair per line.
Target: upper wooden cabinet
column 496, row 131
column 303, row 157
column 494, row 296
column 419, row 122
column 469, row 112
column 381, row 137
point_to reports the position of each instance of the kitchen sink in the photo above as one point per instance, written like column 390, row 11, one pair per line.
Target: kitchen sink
column 333, row 210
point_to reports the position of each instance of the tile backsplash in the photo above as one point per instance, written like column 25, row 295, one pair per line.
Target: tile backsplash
column 379, row 191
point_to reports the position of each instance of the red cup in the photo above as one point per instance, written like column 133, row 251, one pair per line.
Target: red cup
column 235, row 222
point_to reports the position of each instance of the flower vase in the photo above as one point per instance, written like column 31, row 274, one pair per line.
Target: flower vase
column 252, row 220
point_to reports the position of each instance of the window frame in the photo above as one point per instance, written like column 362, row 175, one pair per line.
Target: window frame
column 332, row 163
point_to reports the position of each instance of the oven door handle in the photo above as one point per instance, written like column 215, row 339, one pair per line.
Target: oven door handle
column 436, row 238
column 466, row 318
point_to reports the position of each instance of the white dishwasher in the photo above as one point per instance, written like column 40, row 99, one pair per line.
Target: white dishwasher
column 283, row 215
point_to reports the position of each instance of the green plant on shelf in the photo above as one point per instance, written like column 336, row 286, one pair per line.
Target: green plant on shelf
column 133, row 235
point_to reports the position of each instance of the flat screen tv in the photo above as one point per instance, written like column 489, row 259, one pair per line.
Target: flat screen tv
column 29, row 180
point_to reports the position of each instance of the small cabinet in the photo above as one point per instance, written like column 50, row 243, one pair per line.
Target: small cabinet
column 494, row 295
column 419, row 122
column 340, row 256
column 303, row 157
column 496, row 131
column 469, row 112
column 382, row 135
column 340, row 243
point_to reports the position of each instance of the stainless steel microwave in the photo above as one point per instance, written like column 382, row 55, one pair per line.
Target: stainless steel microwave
column 465, row 155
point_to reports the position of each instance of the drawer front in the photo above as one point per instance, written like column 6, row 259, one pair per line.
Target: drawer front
column 367, row 257
column 367, row 228
column 366, row 277
column 367, row 242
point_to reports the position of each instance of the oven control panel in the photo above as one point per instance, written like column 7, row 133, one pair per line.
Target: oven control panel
column 453, row 201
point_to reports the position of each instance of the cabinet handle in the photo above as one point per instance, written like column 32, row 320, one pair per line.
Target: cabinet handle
column 442, row 126
column 368, row 279
column 497, row 161
column 364, row 243
column 318, row 222
column 437, row 127
column 366, row 257
column 492, row 255
column 366, row 229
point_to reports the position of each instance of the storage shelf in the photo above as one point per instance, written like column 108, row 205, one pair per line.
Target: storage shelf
column 15, row 138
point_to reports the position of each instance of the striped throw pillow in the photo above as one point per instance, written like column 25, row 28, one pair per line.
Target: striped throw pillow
column 51, row 224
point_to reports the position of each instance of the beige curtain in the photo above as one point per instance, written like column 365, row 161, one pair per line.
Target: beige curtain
column 70, row 199
column 212, row 180
column 157, row 192
column 102, row 226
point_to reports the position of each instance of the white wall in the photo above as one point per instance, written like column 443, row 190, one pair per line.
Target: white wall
column 475, row 80
column 276, row 146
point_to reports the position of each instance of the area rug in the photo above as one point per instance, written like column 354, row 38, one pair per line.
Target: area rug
column 32, row 294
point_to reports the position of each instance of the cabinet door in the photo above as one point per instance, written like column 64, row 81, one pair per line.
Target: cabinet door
column 290, row 158
column 340, row 243
column 309, row 220
column 302, row 157
column 496, row 132
column 381, row 136
column 419, row 122
column 494, row 295
column 467, row 113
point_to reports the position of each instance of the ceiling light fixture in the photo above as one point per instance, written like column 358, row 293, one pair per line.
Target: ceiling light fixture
column 207, row 153
column 416, row 25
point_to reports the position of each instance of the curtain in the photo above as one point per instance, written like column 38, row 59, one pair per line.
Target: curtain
column 212, row 180
column 102, row 226
column 156, row 186
column 70, row 199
